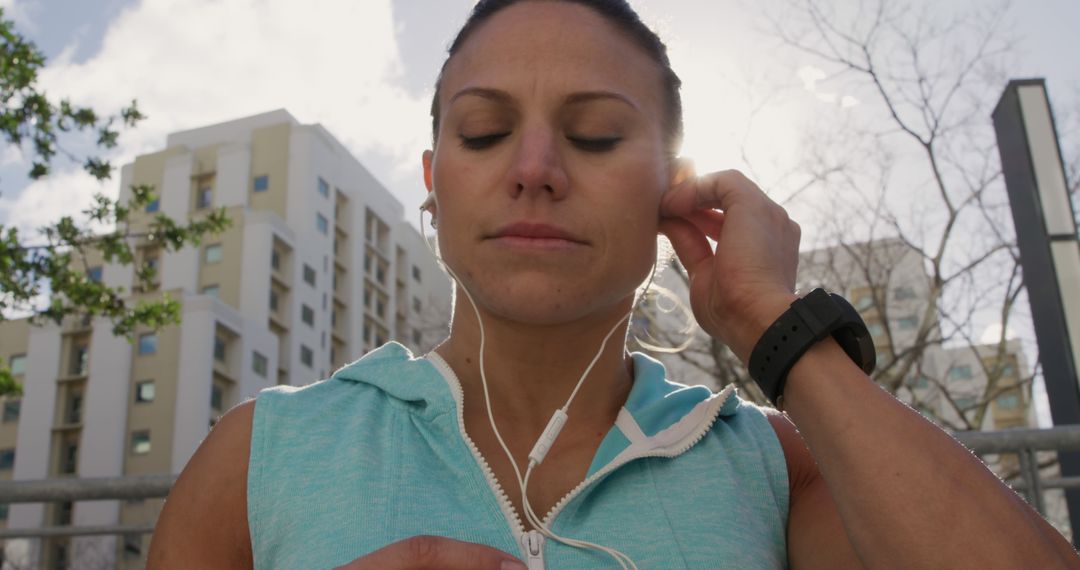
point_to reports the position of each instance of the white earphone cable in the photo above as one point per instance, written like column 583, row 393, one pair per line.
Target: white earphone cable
column 551, row 432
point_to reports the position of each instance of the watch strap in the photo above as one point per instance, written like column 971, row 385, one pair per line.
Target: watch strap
column 809, row 320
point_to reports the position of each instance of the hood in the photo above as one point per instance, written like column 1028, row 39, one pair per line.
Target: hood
column 660, row 417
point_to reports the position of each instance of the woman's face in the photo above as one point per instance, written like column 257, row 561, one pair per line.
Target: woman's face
column 550, row 163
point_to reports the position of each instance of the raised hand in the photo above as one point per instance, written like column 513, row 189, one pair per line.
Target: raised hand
column 739, row 289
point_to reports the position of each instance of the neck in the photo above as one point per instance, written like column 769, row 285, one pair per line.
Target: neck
column 531, row 370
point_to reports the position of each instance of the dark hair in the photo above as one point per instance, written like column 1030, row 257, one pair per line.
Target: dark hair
column 619, row 13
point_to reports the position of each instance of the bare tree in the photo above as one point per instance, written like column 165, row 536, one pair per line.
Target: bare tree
column 904, row 191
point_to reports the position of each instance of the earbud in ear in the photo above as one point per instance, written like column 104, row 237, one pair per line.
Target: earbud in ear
column 429, row 204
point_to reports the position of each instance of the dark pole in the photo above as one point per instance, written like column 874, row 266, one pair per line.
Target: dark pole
column 1049, row 251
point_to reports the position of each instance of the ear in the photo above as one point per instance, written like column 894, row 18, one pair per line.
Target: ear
column 682, row 169
column 426, row 160
column 428, row 183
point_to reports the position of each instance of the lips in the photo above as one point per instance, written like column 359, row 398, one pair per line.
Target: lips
column 536, row 231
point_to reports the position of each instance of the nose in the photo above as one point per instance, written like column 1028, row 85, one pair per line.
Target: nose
column 538, row 167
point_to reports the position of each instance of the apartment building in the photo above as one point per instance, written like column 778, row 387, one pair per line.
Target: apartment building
column 888, row 284
column 318, row 266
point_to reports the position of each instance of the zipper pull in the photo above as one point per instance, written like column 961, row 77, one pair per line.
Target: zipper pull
column 532, row 543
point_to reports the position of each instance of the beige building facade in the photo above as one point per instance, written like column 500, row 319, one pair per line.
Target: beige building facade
column 318, row 266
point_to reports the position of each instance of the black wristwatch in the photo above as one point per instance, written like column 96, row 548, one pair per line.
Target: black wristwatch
column 809, row 320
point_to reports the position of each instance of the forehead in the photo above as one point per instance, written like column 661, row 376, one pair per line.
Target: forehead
column 538, row 48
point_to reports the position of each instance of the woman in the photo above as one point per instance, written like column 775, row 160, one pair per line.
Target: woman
column 556, row 125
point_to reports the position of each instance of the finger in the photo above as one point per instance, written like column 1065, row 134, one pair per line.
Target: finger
column 688, row 241
column 709, row 222
column 716, row 190
column 425, row 552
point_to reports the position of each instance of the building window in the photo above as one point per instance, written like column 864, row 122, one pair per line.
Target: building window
column 877, row 330
column 416, row 305
column 309, row 275
column 74, row 408
column 217, row 397
column 262, row 183
column 69, row 458
column 212, row 253
column 307, row 314
column 144, row 391
column 416, row 337
column 322, row 224
column 148, row 343
column 212, row 290
column 324, row 188
column 17, row 364
column 416, row 273
column 1007, row 370
column 965, row 402
column 140, row 442
column 380, row 308
column 205, row 197
column 306, row 356
column 132, row 546
column 94, row 274
column 1004, row 402
column 380, row 274
column 7, row 459
column 367, row 262
column 153, row 206
column 903, row 293
column 273, row 301
column 324, row 301
column 219, row 349
column 907, row 323
column 367, row 332
column 258, row 364
column 80, row 360
column 3, row 512
column 275, row 260
column 63, row 517
column 920, row 381
column 367, row 298
column 960, row 372
column 11, row 410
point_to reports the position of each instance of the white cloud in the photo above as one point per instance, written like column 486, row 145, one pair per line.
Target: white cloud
column 19, row 11
column 191, row 63
column 810, row 76
column 45, row 201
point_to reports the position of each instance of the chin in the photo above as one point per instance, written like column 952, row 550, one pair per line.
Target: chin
column 541, row 302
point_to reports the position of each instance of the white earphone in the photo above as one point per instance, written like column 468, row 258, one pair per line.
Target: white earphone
column 554, row 426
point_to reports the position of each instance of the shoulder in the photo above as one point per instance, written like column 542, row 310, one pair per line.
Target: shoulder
column 212, row 487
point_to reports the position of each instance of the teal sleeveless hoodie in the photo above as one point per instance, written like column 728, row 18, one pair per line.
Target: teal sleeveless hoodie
column 378, row 453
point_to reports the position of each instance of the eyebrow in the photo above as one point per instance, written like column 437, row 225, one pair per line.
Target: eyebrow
column 501, row 96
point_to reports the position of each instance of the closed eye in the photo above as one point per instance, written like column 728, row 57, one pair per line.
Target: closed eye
column 483, row 141
column 594, row 144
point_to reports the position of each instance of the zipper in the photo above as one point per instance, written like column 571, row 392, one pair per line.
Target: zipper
column 673, row 450
column 511, row 515
column 532, row 543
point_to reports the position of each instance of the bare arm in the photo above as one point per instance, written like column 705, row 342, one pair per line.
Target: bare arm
column 892, row 486
column 894, row 490
column 204, row 523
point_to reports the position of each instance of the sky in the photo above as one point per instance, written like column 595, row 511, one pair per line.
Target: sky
column 364, row 70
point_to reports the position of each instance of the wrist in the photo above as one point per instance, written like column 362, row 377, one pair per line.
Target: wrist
column 759, row 317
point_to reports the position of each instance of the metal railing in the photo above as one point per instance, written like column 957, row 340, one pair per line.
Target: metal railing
column 72, row 489
column 1023, row 442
